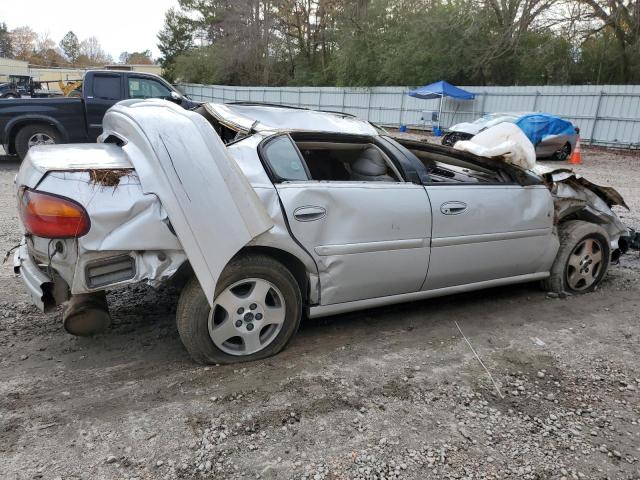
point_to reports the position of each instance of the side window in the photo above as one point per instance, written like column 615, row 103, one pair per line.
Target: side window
column 147, row 88
column 106, row 87
column 283, row 159
column 347, row 162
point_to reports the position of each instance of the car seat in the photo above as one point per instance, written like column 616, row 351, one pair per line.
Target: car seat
column 370, row 167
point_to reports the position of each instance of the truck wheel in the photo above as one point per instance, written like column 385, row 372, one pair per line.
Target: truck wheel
column 33, row 135
column 582, row 260
column 256, row 311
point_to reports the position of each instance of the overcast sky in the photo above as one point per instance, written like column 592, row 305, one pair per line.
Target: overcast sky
column 119, row 25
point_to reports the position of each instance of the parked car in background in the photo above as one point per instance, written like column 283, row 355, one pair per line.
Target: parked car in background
column 271, row 213
column 28, row 122
column 552, row 136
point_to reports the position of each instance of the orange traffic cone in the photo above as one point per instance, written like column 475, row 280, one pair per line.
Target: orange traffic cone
column 576, row 158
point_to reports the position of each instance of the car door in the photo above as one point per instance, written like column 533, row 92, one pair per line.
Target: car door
column 104, row 90
column 484, row 232
column 368, row 239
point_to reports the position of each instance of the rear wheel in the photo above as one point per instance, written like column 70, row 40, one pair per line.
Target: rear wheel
column 582, row 260
column 256, row 311
column 563, row 154
column 33, row 135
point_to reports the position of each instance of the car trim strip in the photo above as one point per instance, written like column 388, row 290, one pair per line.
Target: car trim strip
column 366, row 247
column 488, row 237
column 335, row 309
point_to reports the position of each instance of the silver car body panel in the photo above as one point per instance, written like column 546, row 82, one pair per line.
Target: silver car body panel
column 327, row 310
column 273, row 119
column 373, row 240
column 503, row 231
column 178, row 157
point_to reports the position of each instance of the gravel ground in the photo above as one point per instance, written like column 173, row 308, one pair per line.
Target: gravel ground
column 387, row 393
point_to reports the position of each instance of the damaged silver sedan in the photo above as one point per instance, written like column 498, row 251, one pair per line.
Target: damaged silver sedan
column 270, row 213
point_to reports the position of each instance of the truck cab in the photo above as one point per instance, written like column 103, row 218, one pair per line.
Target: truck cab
column 78, row 118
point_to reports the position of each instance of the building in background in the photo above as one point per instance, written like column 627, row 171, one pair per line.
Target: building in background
column 155, row 69
column 9, row 66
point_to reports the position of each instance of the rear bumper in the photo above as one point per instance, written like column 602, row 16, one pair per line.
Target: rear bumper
column 39, row 285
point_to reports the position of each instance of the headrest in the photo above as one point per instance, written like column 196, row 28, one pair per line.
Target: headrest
column 370, row 163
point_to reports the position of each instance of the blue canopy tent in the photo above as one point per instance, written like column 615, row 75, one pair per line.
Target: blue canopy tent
column 440, row 90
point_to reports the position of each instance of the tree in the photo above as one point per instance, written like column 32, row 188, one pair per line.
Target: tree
column 24, row 42
column 46, row 52
column 175, row 38
column 92, row 54
column 6, row 44
column 137, row 58
column 71, row 46
column 621, row 18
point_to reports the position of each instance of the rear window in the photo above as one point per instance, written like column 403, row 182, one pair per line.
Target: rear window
column 106, row 87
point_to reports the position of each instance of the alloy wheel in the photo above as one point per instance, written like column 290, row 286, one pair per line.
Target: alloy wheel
column 247, row 316
column 40, row 139
column 583, row 267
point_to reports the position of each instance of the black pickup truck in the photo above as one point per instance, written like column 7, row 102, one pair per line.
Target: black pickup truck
column 31, row 121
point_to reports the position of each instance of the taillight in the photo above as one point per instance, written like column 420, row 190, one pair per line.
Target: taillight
column 51, row 216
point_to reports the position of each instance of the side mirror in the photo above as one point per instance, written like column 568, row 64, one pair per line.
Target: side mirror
column 175, row 97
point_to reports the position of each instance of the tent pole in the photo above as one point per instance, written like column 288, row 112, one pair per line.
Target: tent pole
column 440, row 111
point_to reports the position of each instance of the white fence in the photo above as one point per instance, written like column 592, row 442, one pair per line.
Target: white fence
column 606, row 114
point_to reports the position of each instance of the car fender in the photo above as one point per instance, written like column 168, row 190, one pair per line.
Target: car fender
column 178, row 157
column 14, row 124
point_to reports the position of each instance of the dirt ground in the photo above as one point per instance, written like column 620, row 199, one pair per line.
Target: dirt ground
column 387, row 393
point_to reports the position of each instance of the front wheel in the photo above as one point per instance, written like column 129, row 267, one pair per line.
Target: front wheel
column 256, row 310
column 563, row 154
column 582, row 260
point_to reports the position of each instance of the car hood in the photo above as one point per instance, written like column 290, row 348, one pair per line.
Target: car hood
column 466, row 127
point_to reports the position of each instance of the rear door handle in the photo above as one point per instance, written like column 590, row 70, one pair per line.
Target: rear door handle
column 309, row 213
column 453, row 208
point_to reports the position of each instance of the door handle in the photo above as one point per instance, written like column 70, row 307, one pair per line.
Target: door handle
column 309, row 213
column 453, row 208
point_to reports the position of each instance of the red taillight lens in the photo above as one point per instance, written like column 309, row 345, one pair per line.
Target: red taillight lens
column 50, row 216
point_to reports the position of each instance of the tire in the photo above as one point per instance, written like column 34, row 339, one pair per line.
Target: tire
column 448, row 139
column 47, row 135
column 578, row 268
column 563, row 154
column 237, row 288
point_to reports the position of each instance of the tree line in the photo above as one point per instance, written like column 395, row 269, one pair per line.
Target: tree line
column 23, row 43
column 402, row 42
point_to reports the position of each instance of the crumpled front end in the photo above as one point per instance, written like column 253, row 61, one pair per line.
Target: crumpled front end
column 575, row 197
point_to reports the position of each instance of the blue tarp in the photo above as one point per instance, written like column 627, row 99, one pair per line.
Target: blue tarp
column 538, row 126
column 441, row 89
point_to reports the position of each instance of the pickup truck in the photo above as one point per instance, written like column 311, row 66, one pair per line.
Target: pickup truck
column 28, row 122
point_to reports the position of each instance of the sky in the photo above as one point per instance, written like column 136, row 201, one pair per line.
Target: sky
column 119, row 25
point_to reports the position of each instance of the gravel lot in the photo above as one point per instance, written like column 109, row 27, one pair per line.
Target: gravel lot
column 387, row 393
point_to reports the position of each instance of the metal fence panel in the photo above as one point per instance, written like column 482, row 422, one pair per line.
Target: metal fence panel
column 606, row 114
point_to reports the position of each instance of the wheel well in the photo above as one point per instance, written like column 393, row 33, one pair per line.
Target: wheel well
column 19, row 125
column 293, row 264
